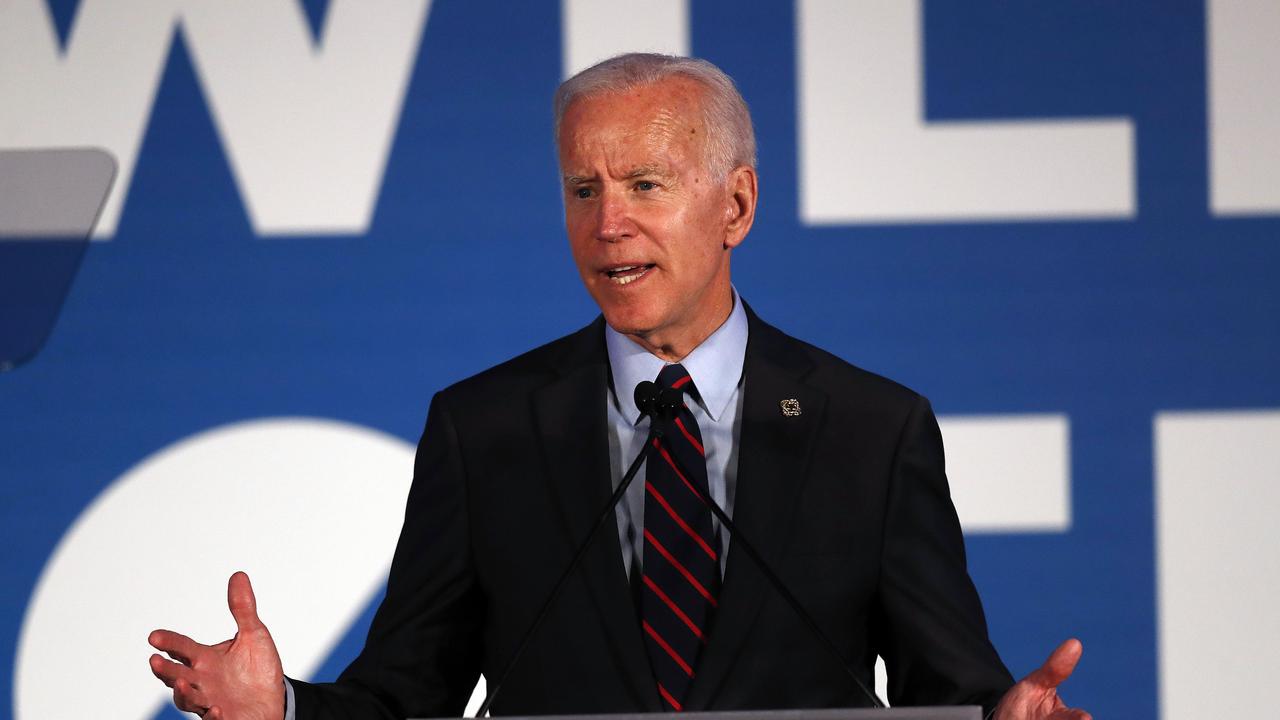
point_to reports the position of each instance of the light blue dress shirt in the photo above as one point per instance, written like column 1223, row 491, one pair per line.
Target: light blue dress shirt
column 716, row 369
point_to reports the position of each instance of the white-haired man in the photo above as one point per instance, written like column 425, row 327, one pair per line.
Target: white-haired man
column 833, row 473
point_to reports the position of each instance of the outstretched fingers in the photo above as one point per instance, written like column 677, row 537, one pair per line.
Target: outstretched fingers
column 242, row 603
column 175, row 645
column 168, row 671
column 189, row 697
column 240, row 673
column 1061, row 663
column 187, row 694
column 1036, row 697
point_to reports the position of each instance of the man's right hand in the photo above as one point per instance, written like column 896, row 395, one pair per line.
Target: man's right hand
column 237, row 679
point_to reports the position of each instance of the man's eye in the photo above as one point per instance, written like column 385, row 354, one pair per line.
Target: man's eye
column 582, row 193
column 645, row 186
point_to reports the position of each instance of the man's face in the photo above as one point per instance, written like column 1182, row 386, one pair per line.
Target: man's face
column 649, row 226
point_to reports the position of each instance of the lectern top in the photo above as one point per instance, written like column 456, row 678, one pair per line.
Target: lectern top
column 966, row 712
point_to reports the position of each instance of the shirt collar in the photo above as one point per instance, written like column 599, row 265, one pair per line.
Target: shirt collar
column 715, row 365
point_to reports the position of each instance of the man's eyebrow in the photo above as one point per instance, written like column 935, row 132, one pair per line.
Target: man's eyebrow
column 642, row 171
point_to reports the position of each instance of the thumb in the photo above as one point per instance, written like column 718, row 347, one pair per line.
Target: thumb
column 1059, row 666
column 241, row 602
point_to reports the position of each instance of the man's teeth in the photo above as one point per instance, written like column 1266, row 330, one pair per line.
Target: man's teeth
column 617, row 274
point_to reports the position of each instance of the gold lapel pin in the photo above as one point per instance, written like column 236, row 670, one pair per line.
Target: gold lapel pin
column 790, row 407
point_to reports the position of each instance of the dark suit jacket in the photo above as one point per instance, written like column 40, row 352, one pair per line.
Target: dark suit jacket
column 847, row 501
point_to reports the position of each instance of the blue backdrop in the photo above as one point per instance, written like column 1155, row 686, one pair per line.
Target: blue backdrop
column 186, row 319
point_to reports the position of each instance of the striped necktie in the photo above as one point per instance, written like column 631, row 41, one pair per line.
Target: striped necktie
column 681, row 558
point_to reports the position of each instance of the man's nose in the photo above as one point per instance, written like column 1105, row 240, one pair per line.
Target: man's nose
column 613, row 222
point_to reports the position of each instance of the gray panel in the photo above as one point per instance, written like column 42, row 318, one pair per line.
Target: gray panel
column 52, row 193
column 49, row 202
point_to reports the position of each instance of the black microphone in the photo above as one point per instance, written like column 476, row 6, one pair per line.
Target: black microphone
column 657, row 404
column 646, row 397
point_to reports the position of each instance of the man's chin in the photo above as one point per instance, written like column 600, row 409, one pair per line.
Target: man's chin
column 629, row 329
column 630, row 323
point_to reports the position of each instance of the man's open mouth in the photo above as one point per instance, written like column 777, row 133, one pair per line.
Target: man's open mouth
column 624, row 274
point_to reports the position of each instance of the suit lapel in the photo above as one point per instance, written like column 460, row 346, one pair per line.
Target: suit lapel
column 572, row 424
column 773, row 462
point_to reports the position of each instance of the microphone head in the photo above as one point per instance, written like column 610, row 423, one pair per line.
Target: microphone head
column 668, row 403
column 646, row 397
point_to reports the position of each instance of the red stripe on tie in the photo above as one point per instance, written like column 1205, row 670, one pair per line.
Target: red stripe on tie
column 681, row 382
column 670, row 700
column 672, row 604
column 676, row 564
column 680, row 521
column 665, row 456
column 663, row 644
column 692, row 440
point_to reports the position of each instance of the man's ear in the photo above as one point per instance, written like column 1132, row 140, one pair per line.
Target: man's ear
column 741, row 193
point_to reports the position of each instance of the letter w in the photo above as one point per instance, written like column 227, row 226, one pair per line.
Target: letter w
column 307, row 129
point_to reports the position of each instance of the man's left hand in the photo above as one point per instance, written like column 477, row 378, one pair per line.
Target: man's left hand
column 1036, row 696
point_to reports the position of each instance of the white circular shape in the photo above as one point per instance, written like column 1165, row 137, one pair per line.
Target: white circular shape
column 310, row 508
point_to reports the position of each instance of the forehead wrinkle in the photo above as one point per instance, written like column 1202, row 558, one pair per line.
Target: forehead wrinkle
column 674, row 131
column 668, row 129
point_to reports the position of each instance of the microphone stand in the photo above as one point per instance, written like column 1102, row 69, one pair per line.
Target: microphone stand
column 655, row 432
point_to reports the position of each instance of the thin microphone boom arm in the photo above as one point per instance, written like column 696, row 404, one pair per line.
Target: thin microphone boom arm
column 646, row 395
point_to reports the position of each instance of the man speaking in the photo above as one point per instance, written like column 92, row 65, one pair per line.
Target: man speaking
column 834, row 475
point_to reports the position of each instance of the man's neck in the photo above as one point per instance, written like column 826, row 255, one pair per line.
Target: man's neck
column 674, row 345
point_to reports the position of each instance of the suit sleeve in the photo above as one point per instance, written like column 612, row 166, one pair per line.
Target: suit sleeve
column 932, row 631
column 422, row 655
